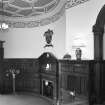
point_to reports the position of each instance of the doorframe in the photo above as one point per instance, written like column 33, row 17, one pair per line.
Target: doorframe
column 48, row 81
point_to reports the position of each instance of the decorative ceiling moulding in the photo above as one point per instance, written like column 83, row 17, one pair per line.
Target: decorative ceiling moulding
column 72, row 3
column 43, row 12
column 26, row 8
column 39, row 20
column 31, row 24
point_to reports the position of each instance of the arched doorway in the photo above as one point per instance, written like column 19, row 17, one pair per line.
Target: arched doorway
column 97, row 95
column 98, row 30
column 48, row 65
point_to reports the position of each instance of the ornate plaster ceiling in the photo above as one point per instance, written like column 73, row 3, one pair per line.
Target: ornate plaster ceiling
column 26, row 8
column 33, row 13
column 72, row 3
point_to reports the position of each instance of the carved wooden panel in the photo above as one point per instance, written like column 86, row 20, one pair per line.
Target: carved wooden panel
column 1, row 53
column 75, row 75
column 27, row 79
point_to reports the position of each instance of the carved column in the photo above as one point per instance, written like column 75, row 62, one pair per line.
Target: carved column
column 1, row 50
column 98, row 57
column 1, row 65
column 98, row 42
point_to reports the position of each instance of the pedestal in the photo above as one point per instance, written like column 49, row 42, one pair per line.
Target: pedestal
column 51, row 50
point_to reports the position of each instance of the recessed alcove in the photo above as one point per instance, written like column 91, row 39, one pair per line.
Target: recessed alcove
column 47, row 88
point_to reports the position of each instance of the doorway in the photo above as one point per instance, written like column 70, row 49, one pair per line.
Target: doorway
column 47, row 88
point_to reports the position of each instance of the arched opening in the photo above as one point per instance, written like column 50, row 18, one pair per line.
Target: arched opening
column 98, row 30
column 48, row 68
column 97, row 94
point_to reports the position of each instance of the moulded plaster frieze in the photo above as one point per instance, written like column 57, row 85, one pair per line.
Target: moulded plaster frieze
column 72, row 3
column 25, row 9
column 46, row 18
column 30, row 24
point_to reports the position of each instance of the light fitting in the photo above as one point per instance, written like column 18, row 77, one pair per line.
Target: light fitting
column 3, row 24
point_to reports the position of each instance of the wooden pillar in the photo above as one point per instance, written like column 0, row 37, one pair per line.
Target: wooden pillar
column 98, row 57
column 1, row 50
column 1, row 65
column 98, row 42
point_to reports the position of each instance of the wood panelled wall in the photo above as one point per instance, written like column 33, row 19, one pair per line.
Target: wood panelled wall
column 72, row 75
column 51, row 74
column 28, row 78
column 97, row 83
column 75, row 76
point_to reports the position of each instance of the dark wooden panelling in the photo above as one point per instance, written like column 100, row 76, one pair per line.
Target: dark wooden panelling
column 97, row 83
column 51, row 74
column 27, row 79
column 1, row 53
column 75, row 76
column 1, row 65
column 70, row 75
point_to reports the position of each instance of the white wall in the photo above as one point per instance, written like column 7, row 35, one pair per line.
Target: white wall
column 79, row 23
column 29, row 42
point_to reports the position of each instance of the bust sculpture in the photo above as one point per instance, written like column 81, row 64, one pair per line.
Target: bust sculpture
column 48, row 37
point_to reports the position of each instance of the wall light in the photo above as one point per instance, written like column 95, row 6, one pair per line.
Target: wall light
column 4, row 26
column 47, row 66
column 46, row 83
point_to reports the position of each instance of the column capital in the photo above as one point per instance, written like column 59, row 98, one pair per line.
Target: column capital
column 98, row 30
column 98, row 42
column 1, row 44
